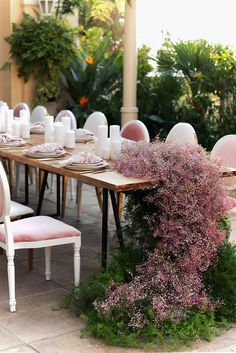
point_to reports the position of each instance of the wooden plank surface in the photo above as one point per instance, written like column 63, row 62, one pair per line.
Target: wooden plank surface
column 110, row 179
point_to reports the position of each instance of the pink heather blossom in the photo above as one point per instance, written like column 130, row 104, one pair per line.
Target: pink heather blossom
column 191, row 199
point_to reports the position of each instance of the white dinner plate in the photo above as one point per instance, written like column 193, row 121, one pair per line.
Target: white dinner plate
column 12, row 144
column 84, row 139
column 45, row 154
column 86, row 166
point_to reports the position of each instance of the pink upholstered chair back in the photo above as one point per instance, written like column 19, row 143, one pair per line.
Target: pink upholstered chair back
column 225, row 150
column 182, row 133
column 4, row 194
column 135, row 130
column 18, row 107
column 93, row 121
column 63, row 113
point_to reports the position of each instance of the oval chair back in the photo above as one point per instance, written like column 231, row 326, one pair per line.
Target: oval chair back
column 135, row 130
column 67, row 113
column 182, row 133
column 94, row 120
column 18, row 107
column 225, row 150
column 38, row 114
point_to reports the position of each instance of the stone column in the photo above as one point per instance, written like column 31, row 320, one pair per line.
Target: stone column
column 129, row 111
column 12, row 88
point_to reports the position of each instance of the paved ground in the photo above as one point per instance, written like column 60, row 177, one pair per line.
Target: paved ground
column 40, row 325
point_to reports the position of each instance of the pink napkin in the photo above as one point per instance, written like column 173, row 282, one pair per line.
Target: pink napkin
column 126, row 143
column 84, row 157
column 46, row 147
column 9, row 138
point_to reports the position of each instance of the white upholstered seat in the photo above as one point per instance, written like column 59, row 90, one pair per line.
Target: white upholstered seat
column 30, row 233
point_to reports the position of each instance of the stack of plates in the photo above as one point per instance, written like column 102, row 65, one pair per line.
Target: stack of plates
column 86, row 166
column 37, row 128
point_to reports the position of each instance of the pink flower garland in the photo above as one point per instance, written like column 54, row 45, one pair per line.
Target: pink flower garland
column 192, row 199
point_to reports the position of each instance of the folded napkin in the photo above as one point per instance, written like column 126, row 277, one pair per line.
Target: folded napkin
column 84, row 157
column 9, row 138
column 79, row 133
column 46, row 148
column 37, row 125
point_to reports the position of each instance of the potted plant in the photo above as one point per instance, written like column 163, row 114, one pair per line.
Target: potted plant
column 42, row 46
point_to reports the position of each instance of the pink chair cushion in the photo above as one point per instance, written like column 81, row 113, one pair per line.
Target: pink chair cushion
column 39, row 228
column 225, row 150
column 133, row 132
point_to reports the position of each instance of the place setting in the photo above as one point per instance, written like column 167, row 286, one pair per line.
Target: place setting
column 85, row 162
column 37, row 127
column 8, row 141
column 84, row 136
column 46, row 151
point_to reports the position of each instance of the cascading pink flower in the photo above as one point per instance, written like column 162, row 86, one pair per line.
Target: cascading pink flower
column 191, row 199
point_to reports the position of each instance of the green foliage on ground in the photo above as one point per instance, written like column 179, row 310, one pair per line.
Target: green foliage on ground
column 221, row 281
column 168, row 335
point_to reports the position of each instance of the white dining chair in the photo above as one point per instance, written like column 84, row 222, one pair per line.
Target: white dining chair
column 38, row 114
column 134, row 130
column 31, row 233
column 67, row 113
column 92, row 122
column 18, row 107
column 182, row 133
column 225, row 151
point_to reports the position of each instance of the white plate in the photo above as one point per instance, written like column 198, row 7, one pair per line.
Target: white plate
column 86, row 166
column 13, row 144
column 45, row 154
column 84, row 139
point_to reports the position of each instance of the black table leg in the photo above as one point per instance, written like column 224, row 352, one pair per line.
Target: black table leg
column 58, row 195
column 104, row 226
column 41, row 192
column 117, row 219
column 26, row 184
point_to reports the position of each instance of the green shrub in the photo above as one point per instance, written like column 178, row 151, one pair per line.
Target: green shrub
column 221, row 282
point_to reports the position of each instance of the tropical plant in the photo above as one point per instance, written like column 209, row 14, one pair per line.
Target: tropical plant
column 104, row 14
column 207, row 76
column 92, row 83
column 66, row 7
column 41, row 48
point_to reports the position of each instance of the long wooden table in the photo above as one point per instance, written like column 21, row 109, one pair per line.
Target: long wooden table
column 110, row 181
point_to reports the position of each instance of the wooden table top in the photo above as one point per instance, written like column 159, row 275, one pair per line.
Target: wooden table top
column 110, row 179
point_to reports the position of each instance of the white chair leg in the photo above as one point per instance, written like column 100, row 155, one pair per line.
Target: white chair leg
column 11, row 282
column 77, row 263
column 79, row 197
column 48, row 263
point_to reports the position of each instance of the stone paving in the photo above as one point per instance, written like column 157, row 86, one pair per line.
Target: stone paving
column 40, row 324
